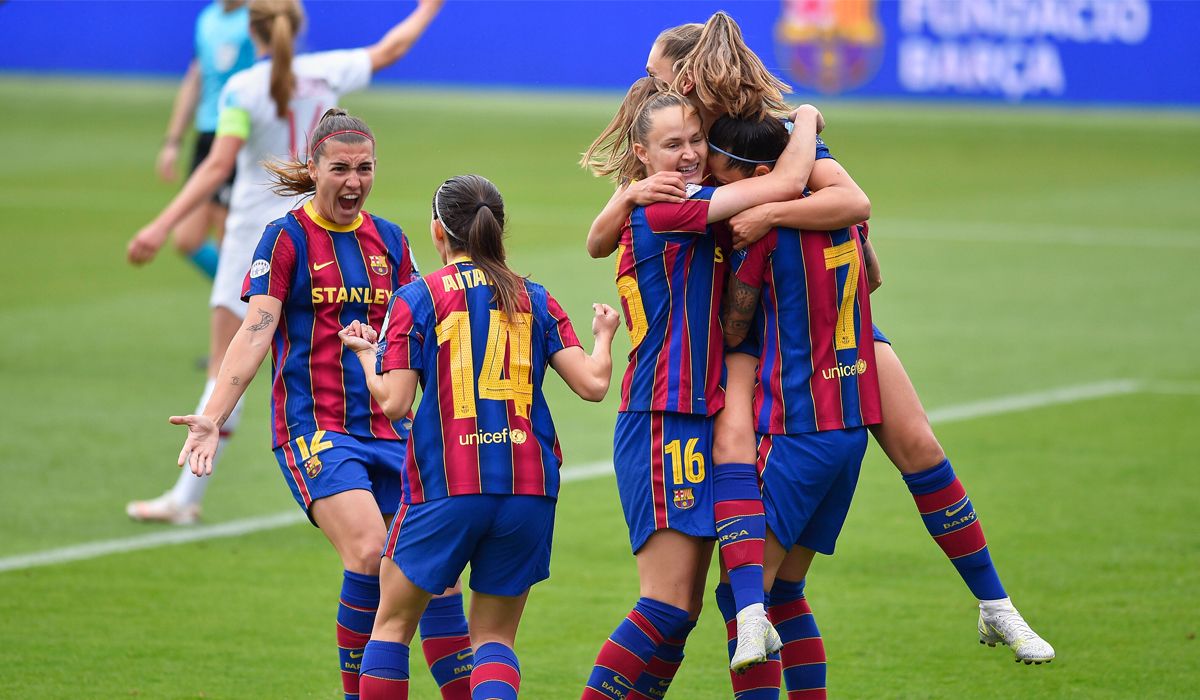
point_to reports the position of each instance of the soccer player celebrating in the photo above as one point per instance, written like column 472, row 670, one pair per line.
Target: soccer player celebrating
column 223, row 48
column 690, row 57
column 670, row 274
column 317, row 267
column 266, row 113
column 481, row 476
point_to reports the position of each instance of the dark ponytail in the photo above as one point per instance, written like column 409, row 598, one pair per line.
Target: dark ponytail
column 747, row 143
column 472, row 213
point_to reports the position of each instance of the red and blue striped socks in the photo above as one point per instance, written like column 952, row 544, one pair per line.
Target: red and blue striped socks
column 497, row 675
column 384, row 671
column 951, row 521
column 759, row 682
column 447, row 646
column 656, row 679
column 741, row 529
column 803, row 653
column 627, row 652
column 355, row 617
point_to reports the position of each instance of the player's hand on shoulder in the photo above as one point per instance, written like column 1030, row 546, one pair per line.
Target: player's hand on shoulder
column 605, row 321
column 359, row 337
column 667, row 186
column 750, row 225
column 806, row 110
column 201, row 444
column 145, row 244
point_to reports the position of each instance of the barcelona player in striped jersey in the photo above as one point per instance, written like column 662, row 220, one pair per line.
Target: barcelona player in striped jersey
column 323, row 265
column 481, row 475
column 817, row 390
column 670, row 275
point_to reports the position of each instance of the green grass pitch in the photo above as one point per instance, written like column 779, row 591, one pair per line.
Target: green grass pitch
column 1023, row 251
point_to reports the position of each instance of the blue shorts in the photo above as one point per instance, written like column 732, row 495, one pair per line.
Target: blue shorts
column 879, row 336
column 324, row 463
column 505, row 538
column 664, row 473
column 808, row 483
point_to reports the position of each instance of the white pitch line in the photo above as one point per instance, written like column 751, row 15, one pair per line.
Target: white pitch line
column 236, row 528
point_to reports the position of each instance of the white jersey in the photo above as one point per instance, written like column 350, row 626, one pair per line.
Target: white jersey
column 321, row 78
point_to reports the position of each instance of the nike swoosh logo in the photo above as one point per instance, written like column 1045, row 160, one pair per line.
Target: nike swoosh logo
column 322, row 266
column 462, row 655
column 359, row 655
column 952, row 513
column 731, row 522
column 622, row 682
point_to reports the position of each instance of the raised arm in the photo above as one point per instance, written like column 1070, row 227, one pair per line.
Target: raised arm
column 786, row 181
column 246, row 352
column 400, row 38
column 589, row 375
column 393, row 390
column 215, row 169
column 605, row 232
column 181, row 114
column 836, row 202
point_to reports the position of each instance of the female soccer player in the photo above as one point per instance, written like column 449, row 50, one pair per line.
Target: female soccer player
column 481, row 476
column 322, row 264
column 691, row 57
column 670, row 274
column 266, row 113
column 223, row 48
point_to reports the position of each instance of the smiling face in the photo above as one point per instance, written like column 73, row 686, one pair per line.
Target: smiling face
column 344, row 173
column 674, row 142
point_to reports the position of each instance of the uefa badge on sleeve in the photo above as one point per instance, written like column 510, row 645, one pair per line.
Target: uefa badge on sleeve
column 684, row 498
column 260, row 268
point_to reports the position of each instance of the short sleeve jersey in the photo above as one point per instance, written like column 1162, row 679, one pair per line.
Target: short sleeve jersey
column 223, row 47
column 483, row 425
column 817, row 358
column 247, row 111
column 671, row 269
column 326, row 276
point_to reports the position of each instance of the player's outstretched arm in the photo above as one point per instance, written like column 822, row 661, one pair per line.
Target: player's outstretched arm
column 605, row 232
column 589, row 375
column 836, row 202
column 204, row 182
column 181, row 114
column 394, row 390
column 400, row 38
column 242, row 359
column 786, row 181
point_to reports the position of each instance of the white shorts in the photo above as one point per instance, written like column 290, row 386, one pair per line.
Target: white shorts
column 237, row 250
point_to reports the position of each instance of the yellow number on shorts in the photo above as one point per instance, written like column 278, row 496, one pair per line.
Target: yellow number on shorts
column 835, row 257
column 318, row 444
column 690, row 461
column 509, row 346
column 627, row 287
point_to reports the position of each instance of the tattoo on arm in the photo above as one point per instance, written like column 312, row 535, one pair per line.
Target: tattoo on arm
column 741, row 301
column 266, row 320
column 235, row 381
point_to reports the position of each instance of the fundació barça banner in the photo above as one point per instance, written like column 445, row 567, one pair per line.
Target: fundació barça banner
column 1019, row 51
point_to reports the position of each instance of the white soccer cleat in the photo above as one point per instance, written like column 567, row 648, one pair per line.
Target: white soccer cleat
column 163, row 509
column 1006, row 626
column 756, row 639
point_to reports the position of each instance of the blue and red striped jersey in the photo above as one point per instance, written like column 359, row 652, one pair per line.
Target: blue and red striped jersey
column 817, row 357
column 483, row 425
column 326, row 276
column 671, row 269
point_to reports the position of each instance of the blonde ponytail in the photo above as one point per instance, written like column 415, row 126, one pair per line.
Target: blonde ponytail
column 729, row 78
column 276, row 24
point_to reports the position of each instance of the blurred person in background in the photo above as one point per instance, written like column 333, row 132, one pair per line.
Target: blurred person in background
column 223, row 48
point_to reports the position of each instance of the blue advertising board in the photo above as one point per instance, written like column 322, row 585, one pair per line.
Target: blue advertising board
column 1071, row 51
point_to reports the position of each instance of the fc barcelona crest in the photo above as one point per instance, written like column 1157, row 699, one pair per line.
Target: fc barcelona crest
column 684, row 499
column 313, row 466
column 379, row 264
column 832, row 46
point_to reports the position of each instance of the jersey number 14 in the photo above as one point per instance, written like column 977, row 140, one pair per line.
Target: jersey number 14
column 509, row 350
